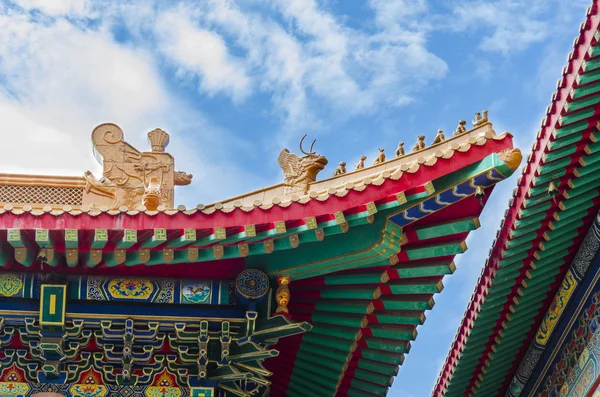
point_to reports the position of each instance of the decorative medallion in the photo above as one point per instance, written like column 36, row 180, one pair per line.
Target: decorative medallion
column 144, row 255
column 195, row 292
column 192, row 254
column 294, row 241
column 252, row 284
column 10, row 284
column 218, row 251
column 320, row 234
column 269, row 246
column 243, row 249
column 168, row 255
column 122, row 288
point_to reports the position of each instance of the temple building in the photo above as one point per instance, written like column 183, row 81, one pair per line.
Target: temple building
column 532, row 327
column 312, row 287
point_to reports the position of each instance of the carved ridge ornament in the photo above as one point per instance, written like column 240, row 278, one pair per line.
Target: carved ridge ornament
column 300, row 172
column 132, row 178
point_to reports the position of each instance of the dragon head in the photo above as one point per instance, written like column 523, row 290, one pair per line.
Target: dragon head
column 183, row 178
column 311, row 162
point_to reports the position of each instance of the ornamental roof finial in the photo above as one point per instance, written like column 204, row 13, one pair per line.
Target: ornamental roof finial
column 158, row 139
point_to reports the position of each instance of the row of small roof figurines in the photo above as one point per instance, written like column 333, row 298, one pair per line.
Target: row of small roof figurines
column 480, row 119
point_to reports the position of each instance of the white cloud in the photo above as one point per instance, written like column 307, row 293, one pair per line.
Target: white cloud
column 201, row 52
column 59, row 80
column 56, row 7
column 511, row 26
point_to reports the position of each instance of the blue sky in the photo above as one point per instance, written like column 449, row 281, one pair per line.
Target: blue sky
column 235, row 82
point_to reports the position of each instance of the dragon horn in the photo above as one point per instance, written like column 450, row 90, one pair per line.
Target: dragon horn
column 311, row 147
column 302, row 140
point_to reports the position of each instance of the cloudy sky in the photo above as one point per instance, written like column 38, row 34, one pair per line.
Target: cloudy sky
column 233, row 82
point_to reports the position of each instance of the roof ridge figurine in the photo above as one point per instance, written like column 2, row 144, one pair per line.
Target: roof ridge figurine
column 400, row 149
column 480, row 118
column 300, row 172
column 420, row 143
column 341, row 169
column 380, row 157
column 361, row 163
column 460, row 129
column 439, row 137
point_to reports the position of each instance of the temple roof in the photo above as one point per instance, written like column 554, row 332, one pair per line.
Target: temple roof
column 365, row 250
column 551, row 211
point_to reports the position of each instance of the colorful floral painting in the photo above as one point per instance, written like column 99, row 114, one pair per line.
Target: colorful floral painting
column 556, row 308
column 157, row 391
column 10, row 389
column 10, row 284
column 88, row 391
column 122, row 288
column 196, row 292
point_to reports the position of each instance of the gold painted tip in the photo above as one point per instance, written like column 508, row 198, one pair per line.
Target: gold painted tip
column 452, row 267
column 494, row 347
column 501, row 333
column 536, row 255
column 364, row 322
column 571, row 184
column 439, row 286
column 587, row 149
column 370, row 308
column 377, row 293
column 546, row 236
column 511, row 308
column 515, row 300
column 385, row 277
column 394, row 260
column 484, row 370
column 550, row 225
column 497, row 340
column 512, row 157
column 358, row 335
column 556, row 216
column 476, row 223
column 541, row 246
column 576, row 172
column 508, row 317
column 463, row 246
column 403, row 239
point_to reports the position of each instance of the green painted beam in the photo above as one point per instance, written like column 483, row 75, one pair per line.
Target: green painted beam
column 406, row 303
column 437, row 250
column 422, row 269
column 447, row 228
column 562, row 132
column 419, row 286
